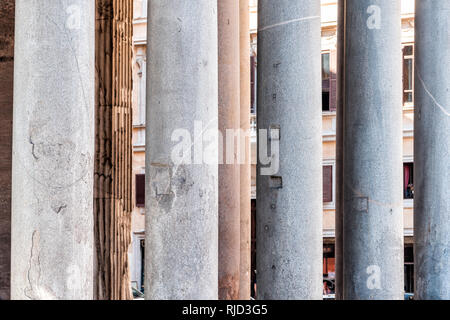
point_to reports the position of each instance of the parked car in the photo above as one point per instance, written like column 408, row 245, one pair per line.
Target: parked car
column 409, row 296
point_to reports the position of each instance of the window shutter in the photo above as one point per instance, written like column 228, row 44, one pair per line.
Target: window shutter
column 253, row 82
column 405, row 75
column 328, row 184
column 140, row 190
column 333, row 80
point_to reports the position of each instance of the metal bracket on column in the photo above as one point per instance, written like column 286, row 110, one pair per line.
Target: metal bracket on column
column 275, row 182
column 360, row 204
column 274, row 132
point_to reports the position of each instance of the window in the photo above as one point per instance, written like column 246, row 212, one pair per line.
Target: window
column 329, row 274
column 140, row 190
column 329, row 81
column 327, row 183
column 253, row 72
column 326, row 81
column 408, row 180
column 408, row 74
column 142, row 273
column 409, row 268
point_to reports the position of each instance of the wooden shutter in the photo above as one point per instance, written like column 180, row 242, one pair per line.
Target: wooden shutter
column 408, row 71
column 253, row 82
column 140, row 190
column 405, row 75
column 328, row 184
column 333, row 80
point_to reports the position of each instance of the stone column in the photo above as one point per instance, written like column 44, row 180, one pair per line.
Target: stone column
column 6, row 115
column 53, row 150
column 373, row 202
column 182, row 193
column 229, row 171
column 245, row 174
column 289, row 199
column 113, row 203
column 431, row 150
column 339, row 227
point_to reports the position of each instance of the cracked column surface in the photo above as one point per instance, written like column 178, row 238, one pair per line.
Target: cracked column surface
column 182, row 191
column 289, row 200
column 372, row 142
column 245, row 171
column 6, row 115
column 53, row 150
column 432, row 150
column 229, row 171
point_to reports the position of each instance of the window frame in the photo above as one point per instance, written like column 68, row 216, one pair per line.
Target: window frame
column 407, row 203
column 330, row 205
column 406, row 104
column 138, row 205
column 329, row 80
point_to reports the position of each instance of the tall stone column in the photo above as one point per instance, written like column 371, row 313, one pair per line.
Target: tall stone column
column 182, row 194
column 373, row 202
column 53, row 150
column 432, row 150
column 339, row 217
column 113, row 164
column 6, row 115
column 289, row 198
column 229, row 171
column 245, row 174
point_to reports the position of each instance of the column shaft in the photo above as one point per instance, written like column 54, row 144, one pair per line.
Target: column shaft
column 181, row 197
column 245, row 174
column 289, row 198
column 339, row 227
column 6, row 115
column 112, row 170
column 431, row 150
column 373, row 202
column 229, row 171
column 53, row 150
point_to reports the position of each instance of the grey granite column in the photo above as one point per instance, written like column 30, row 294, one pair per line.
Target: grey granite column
column 53, row 150
column 339, row 217
column 432, row 150
column 289, row 198
column 373, row 202
column 181, row 187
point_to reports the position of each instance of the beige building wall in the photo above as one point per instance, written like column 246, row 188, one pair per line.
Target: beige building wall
column 139, row 85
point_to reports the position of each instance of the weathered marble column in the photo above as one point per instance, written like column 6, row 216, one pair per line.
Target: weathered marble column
column 53, row 150
column 181, row 194
column 229, row 171
column 432, row 150
column 373, row 202
column 245, row 174
column 289, row 198
column 6, row 115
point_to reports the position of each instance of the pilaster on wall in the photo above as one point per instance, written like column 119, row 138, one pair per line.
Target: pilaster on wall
column 6, row 108
column 113, row 167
